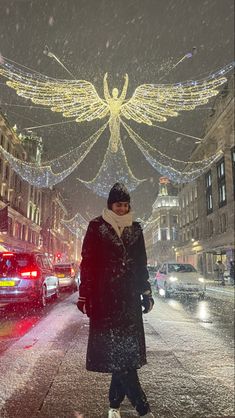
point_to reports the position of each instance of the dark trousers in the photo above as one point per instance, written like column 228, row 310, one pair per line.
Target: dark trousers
column 127, row 384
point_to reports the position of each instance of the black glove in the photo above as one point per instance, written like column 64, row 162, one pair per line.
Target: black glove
column 83, row 305
column 147, row 302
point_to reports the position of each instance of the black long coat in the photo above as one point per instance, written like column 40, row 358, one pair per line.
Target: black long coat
column 113, row 276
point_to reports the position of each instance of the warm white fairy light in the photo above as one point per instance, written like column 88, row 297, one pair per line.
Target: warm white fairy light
column 189, row 170
column 76, row 225
column 113, row 167
column 150, row 103
column 79, row 98
column 52, row 172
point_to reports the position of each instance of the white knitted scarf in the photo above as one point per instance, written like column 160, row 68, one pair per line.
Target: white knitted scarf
column 116, row 221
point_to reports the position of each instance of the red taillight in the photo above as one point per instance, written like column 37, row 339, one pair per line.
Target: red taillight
column 32, row 274
column 72, row 272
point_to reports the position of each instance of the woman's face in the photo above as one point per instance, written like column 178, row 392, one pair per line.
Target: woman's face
column 120, row 208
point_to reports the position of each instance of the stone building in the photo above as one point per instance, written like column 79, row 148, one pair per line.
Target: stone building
column 161, row 229
column 206, row 221
column 28, row 205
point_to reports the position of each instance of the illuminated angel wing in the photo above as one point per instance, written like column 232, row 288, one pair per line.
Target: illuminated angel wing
column 75, row 98
column 157, row 102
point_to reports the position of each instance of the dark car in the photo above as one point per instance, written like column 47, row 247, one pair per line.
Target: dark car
column 67, row 275
column 26, row 277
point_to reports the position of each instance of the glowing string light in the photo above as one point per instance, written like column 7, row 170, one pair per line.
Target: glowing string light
column 76, row 225
column 189, row 170
column 113, row 167
column 149, row 103
column 49, row 173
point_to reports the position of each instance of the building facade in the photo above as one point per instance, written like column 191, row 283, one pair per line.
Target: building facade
column 161, row 229
column 206, row 221
column 34, row 214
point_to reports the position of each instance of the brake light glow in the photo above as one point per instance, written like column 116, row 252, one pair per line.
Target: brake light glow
column 33, row 274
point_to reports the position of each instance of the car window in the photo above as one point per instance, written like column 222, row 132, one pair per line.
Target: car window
column 181, row 268
column 63, row 269
column 12, row 263
column 42, row 259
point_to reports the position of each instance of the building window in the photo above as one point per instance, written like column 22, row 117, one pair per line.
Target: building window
column 10, row 226
column 163, row 220
column 210, row 228
column 209, row 200
column 175, row 219
column 7, row 173
column 221, row 182
column 233, row 168
column 174, row 233
column 31, row 192
column 196, row 233
column 223, row 222
column 164, row 234
column 23, row 232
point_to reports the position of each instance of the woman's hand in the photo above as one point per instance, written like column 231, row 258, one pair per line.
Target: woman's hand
column 147, row 302
column 83, row 305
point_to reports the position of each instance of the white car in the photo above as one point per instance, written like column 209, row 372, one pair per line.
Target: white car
column 178, row 278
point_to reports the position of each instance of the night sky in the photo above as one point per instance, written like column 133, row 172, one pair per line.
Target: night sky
column 91, row 37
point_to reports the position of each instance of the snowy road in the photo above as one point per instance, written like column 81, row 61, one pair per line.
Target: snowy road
column 189, row 372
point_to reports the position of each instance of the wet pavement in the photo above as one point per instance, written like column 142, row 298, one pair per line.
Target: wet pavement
column 189, row 373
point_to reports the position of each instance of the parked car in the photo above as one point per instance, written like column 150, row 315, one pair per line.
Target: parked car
column 179, row 278
column 27, row 277
column 67, row 275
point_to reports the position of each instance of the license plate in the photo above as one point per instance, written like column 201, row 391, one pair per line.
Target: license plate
column 60, row 275
column 6, row 283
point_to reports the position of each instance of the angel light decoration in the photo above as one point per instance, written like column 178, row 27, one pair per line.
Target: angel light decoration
column 149, row 104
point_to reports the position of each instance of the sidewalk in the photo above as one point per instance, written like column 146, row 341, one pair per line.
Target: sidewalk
column 215, row 288
column 189, row 372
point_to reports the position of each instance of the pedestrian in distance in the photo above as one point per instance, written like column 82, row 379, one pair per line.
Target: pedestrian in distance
column 220, row 269
column 114, row 292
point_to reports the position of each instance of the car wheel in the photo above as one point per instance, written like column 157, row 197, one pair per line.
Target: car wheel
column 57, row 293
column 42, row 299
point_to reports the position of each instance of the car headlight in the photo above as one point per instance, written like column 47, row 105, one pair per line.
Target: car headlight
column 173, row 279
column 201, row 279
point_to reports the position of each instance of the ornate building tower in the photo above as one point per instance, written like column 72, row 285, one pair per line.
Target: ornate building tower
column 161, row 229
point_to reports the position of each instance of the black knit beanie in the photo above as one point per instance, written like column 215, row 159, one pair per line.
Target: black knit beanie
column 118, row 193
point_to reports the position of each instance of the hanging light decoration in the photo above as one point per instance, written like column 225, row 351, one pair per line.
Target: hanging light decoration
column 52, row 172
column 150, row 103
column 76, row 225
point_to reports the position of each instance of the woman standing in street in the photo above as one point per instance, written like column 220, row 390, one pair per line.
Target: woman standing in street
column 114, row 287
